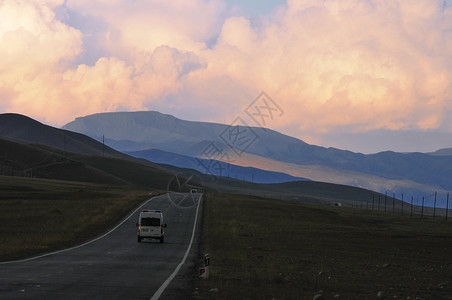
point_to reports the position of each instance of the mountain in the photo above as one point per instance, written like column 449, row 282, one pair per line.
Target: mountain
column 26, row 151
column 215, row 167
column 410, row 173
column 21, row 128
column 32, row 149
column 39, row 161
column 442, row 152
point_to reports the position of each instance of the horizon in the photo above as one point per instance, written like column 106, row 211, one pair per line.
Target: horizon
column 395, row 135
column 365, row 76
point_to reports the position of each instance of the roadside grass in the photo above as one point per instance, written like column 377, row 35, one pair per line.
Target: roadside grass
column 272, row 249
column 38, row 215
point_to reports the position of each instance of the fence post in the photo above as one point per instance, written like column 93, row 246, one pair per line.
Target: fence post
column 386, row 198
column 378, row 202
column 447, row 205
column 373, row 200
column 422, row 211
column 434, row 207
column 393, row 202
column 411, row 213
column 402, row 204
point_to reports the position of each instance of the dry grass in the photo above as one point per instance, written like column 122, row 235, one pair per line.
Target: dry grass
column 42, row 215
column 271, row 249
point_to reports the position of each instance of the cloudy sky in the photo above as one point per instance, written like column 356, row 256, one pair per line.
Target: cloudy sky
column 363, row 75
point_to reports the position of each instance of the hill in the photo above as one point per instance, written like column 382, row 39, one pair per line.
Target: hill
column 214, row 167
column 414, row 174
column 442, row 152
column 37, row 158
column 21, row 128
column 39, row 161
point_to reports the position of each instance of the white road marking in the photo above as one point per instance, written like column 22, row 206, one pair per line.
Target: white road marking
column 159, row 292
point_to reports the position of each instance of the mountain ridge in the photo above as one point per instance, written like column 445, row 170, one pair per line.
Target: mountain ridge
column 215, row 167
column 194, row 139
column 35, row 158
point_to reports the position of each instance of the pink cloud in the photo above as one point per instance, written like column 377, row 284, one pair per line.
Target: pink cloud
column 334, row 64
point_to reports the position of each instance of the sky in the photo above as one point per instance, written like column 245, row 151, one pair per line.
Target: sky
column 361, row 75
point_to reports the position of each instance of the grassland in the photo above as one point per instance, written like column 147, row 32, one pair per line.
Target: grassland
column 260, row 248
column 271, row 249
column 38, row 215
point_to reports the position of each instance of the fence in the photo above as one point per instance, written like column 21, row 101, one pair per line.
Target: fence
column 434, row 205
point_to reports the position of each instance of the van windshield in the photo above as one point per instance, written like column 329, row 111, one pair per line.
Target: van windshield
column 150, row 222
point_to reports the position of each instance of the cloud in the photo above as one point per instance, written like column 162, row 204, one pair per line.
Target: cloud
column 33, row 47
column 143, row 26
column 333, row 64
column 32, row 40
column 336, row 65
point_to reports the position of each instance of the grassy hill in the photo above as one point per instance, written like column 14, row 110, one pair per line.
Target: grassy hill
column 42, row 161
column 22, row 129
column 302, row 191
column 38, row 161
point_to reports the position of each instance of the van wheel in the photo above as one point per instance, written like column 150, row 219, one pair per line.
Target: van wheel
column 139, row 239
column 161, row 239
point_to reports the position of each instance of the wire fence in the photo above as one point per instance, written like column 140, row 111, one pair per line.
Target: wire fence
column 433, row 205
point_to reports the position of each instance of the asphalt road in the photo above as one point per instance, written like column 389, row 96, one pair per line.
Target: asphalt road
column 114, row 266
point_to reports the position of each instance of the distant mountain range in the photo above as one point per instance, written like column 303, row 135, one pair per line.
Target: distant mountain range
column 134, row 132
column 214, row 167
column 29, row 148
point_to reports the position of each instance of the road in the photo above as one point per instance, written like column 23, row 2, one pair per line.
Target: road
column 114, row 266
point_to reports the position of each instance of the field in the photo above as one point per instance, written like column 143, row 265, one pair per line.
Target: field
column 271, row 249
column 259, row 248
column 39, row 215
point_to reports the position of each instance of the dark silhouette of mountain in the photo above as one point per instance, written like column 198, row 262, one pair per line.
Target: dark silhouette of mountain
column 21, row 128
column 26, row 153
column 40, row 161
column 32, row 149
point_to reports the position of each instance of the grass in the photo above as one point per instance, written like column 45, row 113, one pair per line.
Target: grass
column 271, row 249
column 38, row 215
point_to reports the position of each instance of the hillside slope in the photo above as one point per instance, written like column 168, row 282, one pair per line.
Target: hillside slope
column 215, row 167
column 21, row 128
column 419, row 173
column 38, row 161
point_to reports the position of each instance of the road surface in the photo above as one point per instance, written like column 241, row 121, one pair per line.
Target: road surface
column 115, row 266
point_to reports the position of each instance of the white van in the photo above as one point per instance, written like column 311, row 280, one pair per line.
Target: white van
column 150, row 225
